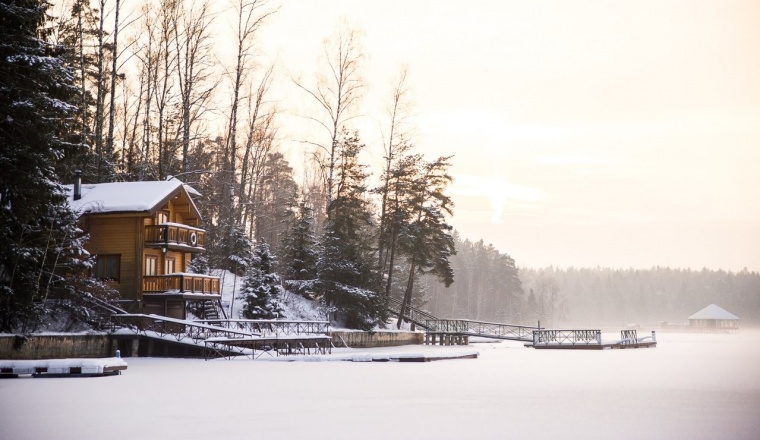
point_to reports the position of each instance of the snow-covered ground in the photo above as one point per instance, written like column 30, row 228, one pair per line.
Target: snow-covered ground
column 689, row 387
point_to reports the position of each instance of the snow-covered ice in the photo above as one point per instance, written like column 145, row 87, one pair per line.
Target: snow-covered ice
column 692, row 386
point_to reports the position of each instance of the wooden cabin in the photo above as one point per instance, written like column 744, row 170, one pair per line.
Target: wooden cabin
column 143, row 236
column 714, row 319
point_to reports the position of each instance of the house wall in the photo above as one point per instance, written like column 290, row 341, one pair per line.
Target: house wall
column 122, row 236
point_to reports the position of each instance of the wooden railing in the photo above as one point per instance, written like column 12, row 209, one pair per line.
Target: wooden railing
column 174, row 234
column 181, row 283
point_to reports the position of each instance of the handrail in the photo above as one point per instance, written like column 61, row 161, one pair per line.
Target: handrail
column 413, row 314
column 272, row 326
column 181, row 282
column 481, row 328
column 179, row 329
column 166, row 234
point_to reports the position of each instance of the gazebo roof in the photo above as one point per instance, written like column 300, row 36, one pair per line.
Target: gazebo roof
column 714, row 312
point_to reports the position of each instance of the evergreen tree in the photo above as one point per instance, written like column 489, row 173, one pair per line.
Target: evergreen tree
column 38, row 233
column 299, row 246
column 347, row 265
column 261, row 289
column 426, row 238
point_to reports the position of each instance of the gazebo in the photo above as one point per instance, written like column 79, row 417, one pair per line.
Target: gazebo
column 714, row 319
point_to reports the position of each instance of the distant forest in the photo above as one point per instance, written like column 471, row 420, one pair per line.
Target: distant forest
column 489, row 286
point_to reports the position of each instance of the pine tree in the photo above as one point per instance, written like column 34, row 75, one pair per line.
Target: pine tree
column 38, row 233
column 426, row 238
column 262, row 291
column 299, row 246
column 347, row 268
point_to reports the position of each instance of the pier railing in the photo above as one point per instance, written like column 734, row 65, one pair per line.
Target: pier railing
column 567, row 337
column 411, row 313
column 481, row 328
column 177, row 329
column 270, row 327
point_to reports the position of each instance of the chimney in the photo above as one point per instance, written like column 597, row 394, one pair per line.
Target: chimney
column 77, row 185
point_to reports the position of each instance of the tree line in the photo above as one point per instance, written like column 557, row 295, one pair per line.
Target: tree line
column 138, row 94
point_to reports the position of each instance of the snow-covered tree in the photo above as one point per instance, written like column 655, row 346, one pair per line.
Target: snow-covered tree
column 261, row 290
column 347, row 266
column 40, row 245
column 299, row 246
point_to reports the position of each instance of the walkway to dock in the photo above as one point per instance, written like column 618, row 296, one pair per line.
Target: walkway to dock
column 458, row 331
column 233, row 337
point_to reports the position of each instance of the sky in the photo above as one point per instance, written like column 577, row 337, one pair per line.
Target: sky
column 584, row 133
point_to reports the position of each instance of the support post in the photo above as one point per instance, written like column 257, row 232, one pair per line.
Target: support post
column 135, row 349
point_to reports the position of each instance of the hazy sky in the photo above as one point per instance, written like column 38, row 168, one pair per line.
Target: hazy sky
column 622, row 134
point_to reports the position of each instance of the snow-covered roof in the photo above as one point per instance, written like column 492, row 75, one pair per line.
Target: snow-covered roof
column 714, row 312
column 126, row 196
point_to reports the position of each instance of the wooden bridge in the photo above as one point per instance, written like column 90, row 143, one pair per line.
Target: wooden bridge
column 458, row 331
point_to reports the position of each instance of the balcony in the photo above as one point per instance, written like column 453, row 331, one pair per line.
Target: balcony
column 180, row 284
column 175, row 237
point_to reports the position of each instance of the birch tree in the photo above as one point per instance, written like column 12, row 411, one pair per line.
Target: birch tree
column 336, row 94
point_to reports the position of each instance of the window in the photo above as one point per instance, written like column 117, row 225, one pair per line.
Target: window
column 162, row 217
column 151, row 263
column 170, row 265
column 107, row 267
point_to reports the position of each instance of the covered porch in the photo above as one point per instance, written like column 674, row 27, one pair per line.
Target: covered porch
column 172, row 295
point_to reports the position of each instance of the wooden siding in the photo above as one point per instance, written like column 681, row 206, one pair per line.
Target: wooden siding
column 122, row 236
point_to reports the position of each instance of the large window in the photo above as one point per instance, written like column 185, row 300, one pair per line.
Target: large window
column 107, row 267
column 151, row 263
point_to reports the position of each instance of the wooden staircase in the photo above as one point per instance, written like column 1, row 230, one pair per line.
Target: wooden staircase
column 210, row 310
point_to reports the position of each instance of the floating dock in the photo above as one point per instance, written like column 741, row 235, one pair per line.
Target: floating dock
column 62, row 367
column 588, row 340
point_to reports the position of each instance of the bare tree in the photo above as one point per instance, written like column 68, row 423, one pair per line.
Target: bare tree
column 251, row 15
column 336, row 94
column 259, row 143
column 195, row 68
column 395, row 145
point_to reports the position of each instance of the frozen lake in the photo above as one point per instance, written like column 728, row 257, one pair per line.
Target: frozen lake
column 690, row 387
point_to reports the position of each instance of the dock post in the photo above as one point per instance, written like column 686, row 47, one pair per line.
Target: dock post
column 654, row 336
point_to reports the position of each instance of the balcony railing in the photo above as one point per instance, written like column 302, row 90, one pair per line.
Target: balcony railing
column 181, row 283
column 175, row 236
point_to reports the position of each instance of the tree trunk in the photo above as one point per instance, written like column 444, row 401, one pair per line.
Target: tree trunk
column 407, row 295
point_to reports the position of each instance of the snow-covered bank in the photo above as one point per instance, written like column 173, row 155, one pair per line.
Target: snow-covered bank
column 690, row 387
